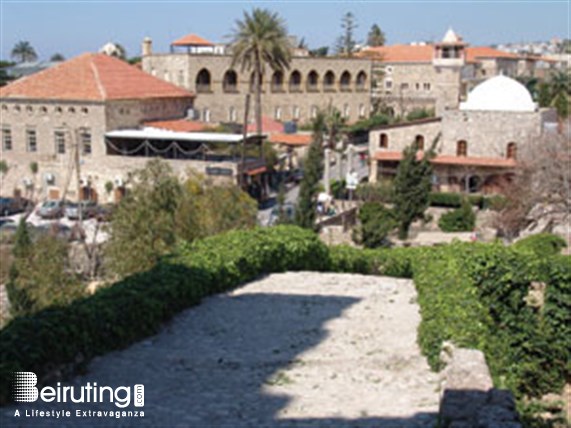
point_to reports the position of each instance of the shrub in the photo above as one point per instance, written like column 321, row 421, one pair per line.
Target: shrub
column 338, row 188
column 136, row 306
column 461, row 219
column 420, row 113
column 375, row 192
column 541, row 245
column 376, row 222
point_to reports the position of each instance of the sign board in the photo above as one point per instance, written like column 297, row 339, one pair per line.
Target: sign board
column 214, row 170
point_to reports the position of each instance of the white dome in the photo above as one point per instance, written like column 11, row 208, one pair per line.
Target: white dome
column 499, row 93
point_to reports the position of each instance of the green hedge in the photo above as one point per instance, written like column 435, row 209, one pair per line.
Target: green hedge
column 454, row 200
column 541, row 244
column 461, row 219
column 136, row 307
column 472, row 294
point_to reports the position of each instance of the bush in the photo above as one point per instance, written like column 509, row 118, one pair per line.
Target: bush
column 376, row 222
column 461, row 219
column 135, row 307
column 338, row 188
column 375, row 192
column 541, row 245
column 420, row 113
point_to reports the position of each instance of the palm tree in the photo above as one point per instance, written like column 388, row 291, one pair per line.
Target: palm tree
column 260, row 40
column 23, row 51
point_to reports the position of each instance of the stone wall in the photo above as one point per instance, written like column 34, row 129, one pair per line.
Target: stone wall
column 218, row 105
column 400, row 136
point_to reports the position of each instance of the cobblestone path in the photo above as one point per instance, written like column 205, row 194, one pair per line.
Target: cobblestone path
column 294, row 349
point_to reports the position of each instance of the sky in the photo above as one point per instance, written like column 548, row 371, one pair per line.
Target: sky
column 74, row 27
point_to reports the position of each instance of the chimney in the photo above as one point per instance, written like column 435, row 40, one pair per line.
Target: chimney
column 147, row 46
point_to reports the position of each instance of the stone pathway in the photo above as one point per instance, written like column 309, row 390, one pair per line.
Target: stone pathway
column 294, row 349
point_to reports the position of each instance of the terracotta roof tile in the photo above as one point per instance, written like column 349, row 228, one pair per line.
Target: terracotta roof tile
column 402, row 53
column 291, row 139
column 181, row 125
column 450, row 160
column 477, row 52
column 269, row 126
column 92, row 77
column 192, row 40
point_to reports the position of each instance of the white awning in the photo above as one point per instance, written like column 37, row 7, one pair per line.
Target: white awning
column 163, row 134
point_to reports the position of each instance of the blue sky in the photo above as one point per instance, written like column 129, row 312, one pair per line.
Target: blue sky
column 73, row 27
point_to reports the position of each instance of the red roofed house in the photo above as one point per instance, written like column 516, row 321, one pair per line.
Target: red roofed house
column 438, row 75
column 80, row 100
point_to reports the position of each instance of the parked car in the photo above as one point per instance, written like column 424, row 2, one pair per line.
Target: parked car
column 9, row 206
column 52, row 209
column 89, row 209
column 105, row 212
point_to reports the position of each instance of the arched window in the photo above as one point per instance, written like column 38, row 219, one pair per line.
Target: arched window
column 313, row 112
column 312, row 81
column 361, row 81
column 419, row 142
column 511, row 152
column 253, row 82
column 384, row 141
column 345, row 81
column 295, row 81
column 329, row 81
column 461, row 148
column 230, row 81
column 278, row 81
column 203, row 81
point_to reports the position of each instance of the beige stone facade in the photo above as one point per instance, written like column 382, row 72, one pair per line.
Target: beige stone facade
column 46, row 132
column 309, row 84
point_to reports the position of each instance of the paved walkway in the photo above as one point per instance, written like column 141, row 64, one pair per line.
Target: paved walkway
column 293, row 349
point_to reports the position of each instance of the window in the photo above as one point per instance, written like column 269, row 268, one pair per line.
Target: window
column 203, row 81
column 31, row 140
column 461, row 148
column 417, row 86
column 345, row 81
column 362, row 110
column 84, row 110
column 312, row 81
column 7, row 138
column 295, row 112
column 29, row 109
column 71, row 109
column 278, row 113
column 278, row 81
column 511, row 152
column 230, row 81
column 426, row 86
column 59, row 139
column 388, row 84
column 404, row 86
column 329, row 81
column 85, row 139
column 313, row 112
column 295, row 81
column 346, row 110
column 17, row 108
column 361, row 81
column 384, row 141
column 43, row 110
column 232, row 114
column 419, row 142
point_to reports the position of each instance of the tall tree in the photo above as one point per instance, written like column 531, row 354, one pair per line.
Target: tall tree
column 23, row 51
column 260, row 40
column 376, row 36
column 312, row 175
column 346, row 42
column 412, row 186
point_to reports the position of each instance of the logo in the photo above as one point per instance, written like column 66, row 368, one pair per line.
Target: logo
column 24, row 390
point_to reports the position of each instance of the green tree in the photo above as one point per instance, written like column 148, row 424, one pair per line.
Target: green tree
column 544, row 95
column 23, row 51
column 346, row 41
column 319, row 52
column 143, row 227
column 4, row 168
column 376, row 36
column 334, row 125
column 40, row 276
column 5, row 78
column 461, row 219
column 260, row 40
column 376, row 222
column 312, row 175
column 412, row 187
column 57, row 57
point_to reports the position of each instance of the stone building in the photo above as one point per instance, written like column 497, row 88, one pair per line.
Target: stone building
column 438, row 76
column 476, row 144
column 103, row 109
column 293, row 95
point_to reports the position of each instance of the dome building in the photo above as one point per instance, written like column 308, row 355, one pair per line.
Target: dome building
column 478, row 143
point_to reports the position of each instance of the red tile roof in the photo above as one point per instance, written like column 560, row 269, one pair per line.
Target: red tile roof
column 477, row 52
column 192, row 40
column 450, row 160
column 402, row 53
column 425, row 53
column 269, row 126
column 180, row 125
column 291, row 139
column 92, row 77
